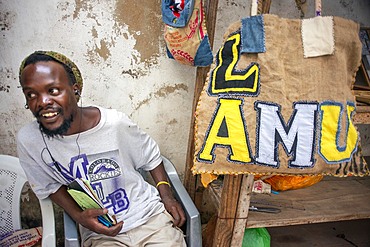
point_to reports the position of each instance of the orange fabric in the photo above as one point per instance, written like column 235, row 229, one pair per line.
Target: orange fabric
column 282, row 183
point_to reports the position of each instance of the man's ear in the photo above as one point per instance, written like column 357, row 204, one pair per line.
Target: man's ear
column 77, row 91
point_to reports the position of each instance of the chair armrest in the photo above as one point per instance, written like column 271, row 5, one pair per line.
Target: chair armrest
column 193, row 223
column 70, row 232
column 48, row 222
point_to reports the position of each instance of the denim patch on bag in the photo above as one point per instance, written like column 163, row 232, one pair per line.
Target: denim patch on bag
column 253, row 35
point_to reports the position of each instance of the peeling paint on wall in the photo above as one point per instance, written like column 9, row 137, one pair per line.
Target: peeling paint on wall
column 6, row 20
column 161, row 93
column 4, row 88
column 102, row 41
column 121, row 27
column 81, row 5
column 94, row 33
column 134, row 73
column 164, row 91
column 6, row 75
column 145, row 25
column 103, row 50
column 63, row 6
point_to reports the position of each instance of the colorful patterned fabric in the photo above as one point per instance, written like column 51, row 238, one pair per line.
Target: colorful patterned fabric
column 189, row 45
column 177, row 13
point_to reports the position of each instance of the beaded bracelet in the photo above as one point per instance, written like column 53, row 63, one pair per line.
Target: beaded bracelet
column 163, row 182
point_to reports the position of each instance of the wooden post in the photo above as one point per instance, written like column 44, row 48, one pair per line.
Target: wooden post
column 191, row 182
column 264, row 6
column 235, row 197
column 227, row 210
column 242, row 210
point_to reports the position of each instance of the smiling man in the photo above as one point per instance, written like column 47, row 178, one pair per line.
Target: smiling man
column 101, row 145
column 54, row 119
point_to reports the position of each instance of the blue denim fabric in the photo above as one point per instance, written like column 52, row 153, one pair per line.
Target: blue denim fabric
column 253, row 35
column 171, row 20
column 169, row 54
column 204, row 56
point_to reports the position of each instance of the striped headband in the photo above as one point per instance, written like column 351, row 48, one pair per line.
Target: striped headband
column 60, row 58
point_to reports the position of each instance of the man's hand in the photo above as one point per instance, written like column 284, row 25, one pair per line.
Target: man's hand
column 89, row 219
column 170, row 203
column 175, row 209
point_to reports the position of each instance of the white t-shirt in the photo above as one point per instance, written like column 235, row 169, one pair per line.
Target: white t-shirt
column 107, row 155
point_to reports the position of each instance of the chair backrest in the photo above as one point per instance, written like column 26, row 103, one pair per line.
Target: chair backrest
column 12, row 180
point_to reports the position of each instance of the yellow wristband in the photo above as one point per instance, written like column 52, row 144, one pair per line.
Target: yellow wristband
column 163, row 182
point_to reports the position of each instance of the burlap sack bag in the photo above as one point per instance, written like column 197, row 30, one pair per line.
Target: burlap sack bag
column 278, row 110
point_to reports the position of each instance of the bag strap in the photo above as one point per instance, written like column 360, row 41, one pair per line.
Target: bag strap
column 259, row 7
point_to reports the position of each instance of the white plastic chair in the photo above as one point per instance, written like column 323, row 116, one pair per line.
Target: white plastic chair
column 12, row 179
column 193, row 229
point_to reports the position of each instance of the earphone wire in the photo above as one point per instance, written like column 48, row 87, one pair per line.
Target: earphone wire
column 55, row 163
column 79, row 130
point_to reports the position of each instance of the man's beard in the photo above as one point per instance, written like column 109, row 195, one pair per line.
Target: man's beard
column 59, row 131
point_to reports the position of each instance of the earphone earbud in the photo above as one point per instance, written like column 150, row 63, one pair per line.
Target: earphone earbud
column 77, row 92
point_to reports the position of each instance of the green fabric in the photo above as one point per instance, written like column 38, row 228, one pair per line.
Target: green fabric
column 256, row 237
